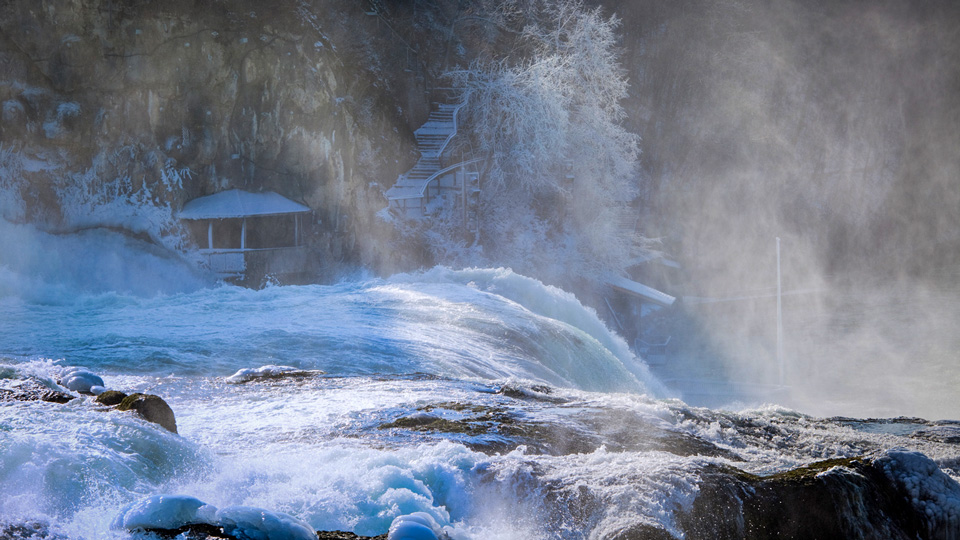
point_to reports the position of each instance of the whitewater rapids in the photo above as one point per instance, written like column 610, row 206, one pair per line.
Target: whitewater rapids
column 485, row 399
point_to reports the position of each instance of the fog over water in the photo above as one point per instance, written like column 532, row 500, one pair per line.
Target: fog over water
column 833, row 126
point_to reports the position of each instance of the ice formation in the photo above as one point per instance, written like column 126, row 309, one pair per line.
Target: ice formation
column 81, row 380
column 251, row 523
column 165, row 512
column 171, row 512
column 415, row 526
column 263, row 372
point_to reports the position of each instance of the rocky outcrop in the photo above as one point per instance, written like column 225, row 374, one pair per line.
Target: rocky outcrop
column 31, row 389
column 28, row 530
column 150, row 407
column 869, row 498
column 832, row 499
column 497, row 430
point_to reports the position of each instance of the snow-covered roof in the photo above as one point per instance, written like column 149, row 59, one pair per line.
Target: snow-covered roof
column 237, row 203
column 653, row 256
column 641, row 290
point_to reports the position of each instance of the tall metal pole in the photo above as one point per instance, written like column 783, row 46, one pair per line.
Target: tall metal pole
column 779, row 318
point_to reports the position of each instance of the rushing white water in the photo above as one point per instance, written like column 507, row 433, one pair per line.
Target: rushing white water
column 310, row 401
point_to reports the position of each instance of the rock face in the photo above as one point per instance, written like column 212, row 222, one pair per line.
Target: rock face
column 151, row 408
column 833, row 499
column 156, row 103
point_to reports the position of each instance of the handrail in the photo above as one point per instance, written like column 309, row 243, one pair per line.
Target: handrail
column 456, row 112
column 425, row 183
column 437, row 174
column 207, row 251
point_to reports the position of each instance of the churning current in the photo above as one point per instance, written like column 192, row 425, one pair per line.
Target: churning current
column 499, row 406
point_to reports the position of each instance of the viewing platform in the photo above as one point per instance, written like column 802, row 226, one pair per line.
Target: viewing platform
column 246, row 237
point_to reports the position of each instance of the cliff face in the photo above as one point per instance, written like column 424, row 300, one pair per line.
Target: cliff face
column 154, row 103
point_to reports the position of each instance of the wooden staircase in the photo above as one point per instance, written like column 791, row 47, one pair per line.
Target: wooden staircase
column 432, row 139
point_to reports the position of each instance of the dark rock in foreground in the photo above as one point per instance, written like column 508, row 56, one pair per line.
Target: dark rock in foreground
column 210, row 532
column 28, row 530
column 151, row 408
column 899, row 495
column 30, row 389
column 342, row 535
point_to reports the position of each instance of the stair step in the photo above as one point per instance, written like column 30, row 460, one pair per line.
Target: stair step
column 432, row 138
column 444, row 133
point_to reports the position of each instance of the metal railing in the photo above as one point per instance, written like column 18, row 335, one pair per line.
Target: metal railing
column 433, row 177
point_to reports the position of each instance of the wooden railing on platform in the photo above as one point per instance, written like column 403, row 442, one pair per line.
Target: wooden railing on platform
column 236, row 263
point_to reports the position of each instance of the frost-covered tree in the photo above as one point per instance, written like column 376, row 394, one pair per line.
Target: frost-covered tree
column 560, row 168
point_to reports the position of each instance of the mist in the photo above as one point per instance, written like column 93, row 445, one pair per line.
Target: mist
column 835, row 127
column 832, row 125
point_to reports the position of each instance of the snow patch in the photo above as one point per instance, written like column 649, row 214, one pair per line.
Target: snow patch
column 415, row 526
column 170, row 512
column 83, row 381
column 931, row 491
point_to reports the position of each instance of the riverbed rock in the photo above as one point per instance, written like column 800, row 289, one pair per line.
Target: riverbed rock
column 111, row 398
column 151, row 408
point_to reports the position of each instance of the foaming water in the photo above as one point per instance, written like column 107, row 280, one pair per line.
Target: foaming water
column 498, row 406
column 48, row 268
column 397, row 326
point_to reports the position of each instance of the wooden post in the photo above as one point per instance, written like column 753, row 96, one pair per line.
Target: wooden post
column 210, row 234
column 243, row 234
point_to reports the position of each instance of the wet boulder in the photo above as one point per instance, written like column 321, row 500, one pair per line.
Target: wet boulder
column 892, row 496
column 111, row 398
column 151, row 408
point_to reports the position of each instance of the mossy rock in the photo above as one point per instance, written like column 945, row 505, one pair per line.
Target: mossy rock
column 111, row 398
column 151, row 408
column 808, row 473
